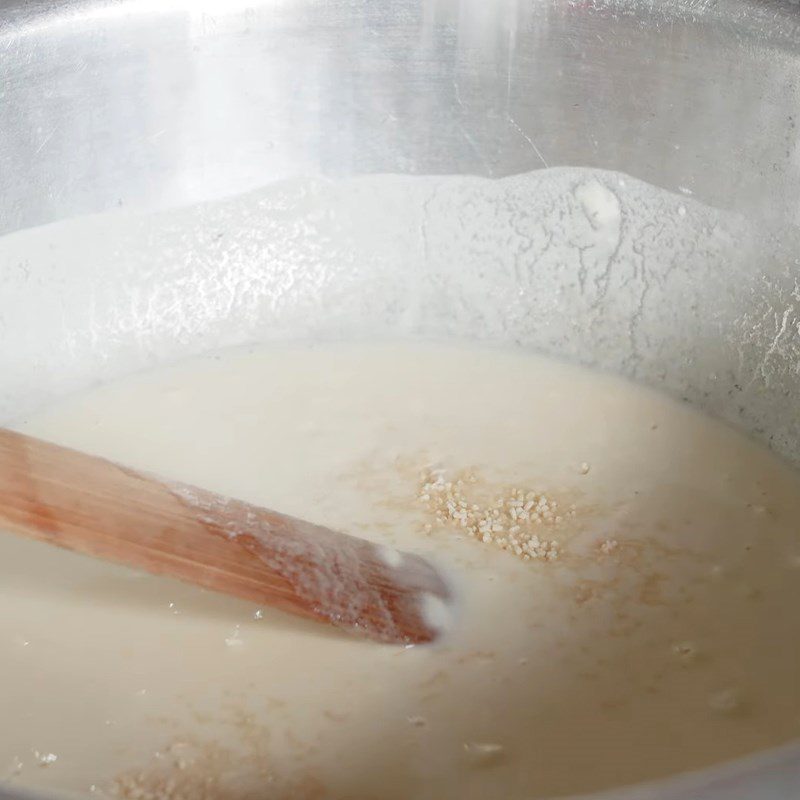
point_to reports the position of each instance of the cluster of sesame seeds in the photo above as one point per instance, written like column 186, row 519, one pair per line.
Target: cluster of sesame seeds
column 608, row 546
column 513, row 521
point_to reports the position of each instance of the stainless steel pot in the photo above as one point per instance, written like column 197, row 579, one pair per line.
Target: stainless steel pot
column 144, row 106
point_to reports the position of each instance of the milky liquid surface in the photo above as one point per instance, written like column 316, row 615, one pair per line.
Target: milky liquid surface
column 662, row 637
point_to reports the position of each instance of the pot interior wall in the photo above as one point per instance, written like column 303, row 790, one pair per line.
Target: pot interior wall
column 592, row 266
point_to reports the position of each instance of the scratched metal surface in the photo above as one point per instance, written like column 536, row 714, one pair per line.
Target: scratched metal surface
column 107, row 103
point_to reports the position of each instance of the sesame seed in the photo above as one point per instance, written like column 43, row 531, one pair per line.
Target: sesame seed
column 609, row 546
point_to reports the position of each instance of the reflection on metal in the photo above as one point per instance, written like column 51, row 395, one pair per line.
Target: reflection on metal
column 150, row 104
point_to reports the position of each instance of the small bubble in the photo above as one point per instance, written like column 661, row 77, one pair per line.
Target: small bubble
column 234, row 640
column 45, row 759
column 483, row 753
column 686, row 652
column 259, row 614
column 726, row 701
column 584, row 468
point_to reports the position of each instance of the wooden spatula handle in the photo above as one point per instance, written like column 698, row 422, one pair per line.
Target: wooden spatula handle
column 95, row 507
column 98, row 508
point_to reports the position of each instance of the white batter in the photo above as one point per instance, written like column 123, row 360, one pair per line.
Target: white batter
column 648, row 645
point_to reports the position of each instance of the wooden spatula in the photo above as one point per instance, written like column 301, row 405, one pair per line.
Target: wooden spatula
column 101, row 509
